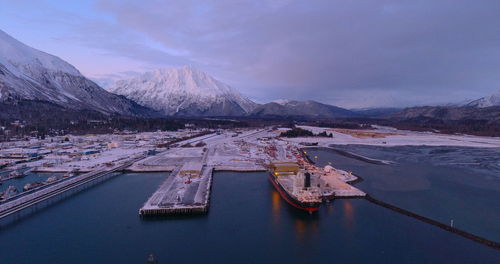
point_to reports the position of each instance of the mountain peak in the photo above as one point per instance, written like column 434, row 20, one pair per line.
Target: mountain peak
column 22, row 59
column 183, row 91
column 282, row 101
column 492, row 100
column 29, row 74
column 186, row 80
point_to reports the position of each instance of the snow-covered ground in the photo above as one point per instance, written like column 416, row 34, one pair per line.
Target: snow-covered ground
column 393, row 137
column 239, row 150
column 91, row 162
column 83, row 153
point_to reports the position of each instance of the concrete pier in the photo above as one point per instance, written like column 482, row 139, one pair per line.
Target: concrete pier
column 181, row 194
column 339, row 189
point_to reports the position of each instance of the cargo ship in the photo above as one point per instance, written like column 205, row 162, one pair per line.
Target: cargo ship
column 294, row 186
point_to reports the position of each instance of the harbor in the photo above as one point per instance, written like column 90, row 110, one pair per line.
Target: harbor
column 244, row 205
column 187, row 164
column 186, row 189
column 194, row 172
column 249, row 132
column 187, row 159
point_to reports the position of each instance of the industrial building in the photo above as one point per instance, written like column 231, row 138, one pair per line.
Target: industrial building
column 284, row 168
column 191, row 169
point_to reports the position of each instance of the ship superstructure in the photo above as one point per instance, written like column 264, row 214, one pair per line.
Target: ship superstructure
column 296, row 186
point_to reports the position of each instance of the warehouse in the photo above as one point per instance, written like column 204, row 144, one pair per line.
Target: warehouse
column 285, row 168
column 191, row 169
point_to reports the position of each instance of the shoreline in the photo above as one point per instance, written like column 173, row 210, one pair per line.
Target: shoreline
column 463, row 233
column 351, row 155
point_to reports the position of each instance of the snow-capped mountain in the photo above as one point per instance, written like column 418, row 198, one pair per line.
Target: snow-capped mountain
column 282, row 101
column 184, row 92
column 492, row 100
column 30, row 74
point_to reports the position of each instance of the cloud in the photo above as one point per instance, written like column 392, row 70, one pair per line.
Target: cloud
column 91, row 40
column 107, row 79
column 392, row 48
column 351, row 53
column 114, row 39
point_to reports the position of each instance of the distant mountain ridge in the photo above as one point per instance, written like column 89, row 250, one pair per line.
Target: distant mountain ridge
column 376, row 112
column 184, row 91
column 300, row 109
column 33, row 75
column 30, row 74
column 485, row 110
column 489, row 115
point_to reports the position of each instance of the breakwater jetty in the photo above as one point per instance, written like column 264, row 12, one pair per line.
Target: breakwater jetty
column 427, row 220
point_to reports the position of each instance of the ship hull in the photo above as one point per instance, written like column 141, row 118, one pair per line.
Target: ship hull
column 309, row 207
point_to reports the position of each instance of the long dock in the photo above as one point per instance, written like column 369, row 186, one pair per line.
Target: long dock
column 26, row 201
column 180, row 195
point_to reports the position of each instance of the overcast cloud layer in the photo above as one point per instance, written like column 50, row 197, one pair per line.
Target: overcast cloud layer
column 349, row 53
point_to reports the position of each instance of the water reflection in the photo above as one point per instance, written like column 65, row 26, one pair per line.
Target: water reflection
column 276, row 205
column 348, row 213
column 300, row 228
column 305, row 225
column 330, row 207
column 237, row 202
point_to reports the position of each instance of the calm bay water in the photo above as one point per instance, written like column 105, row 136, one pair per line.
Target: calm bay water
column 442, row 183
column 248, row 222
